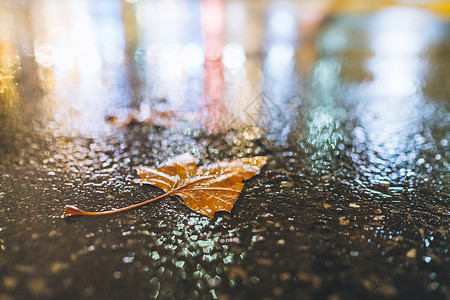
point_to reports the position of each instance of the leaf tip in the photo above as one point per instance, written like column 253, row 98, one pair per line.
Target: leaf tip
column 70, row 210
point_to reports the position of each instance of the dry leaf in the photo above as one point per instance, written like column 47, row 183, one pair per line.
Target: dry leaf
column 204, row 189
column 153, row 118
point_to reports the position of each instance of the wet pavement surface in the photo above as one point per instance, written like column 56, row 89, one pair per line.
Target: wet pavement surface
column 352, row 110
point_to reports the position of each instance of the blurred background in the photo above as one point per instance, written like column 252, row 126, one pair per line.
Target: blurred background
column 215, row 63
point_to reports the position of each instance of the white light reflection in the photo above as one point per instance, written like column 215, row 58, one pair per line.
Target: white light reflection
column 394, row 110
column 280, row 78
column 281, row 40
column 279, row 61
column 153, row 54
column 168, row 66
column 282, row 24
column 162, row 22
column 396, row 76
column 43, row 54
column 89, row 60
column 193, row 58
column 235, row 19
column 110, row 35
column 398, row 37
column 233, row 56
column 171, row 64
column 83, row 38
column 240, row 77
column 401, row 31
column 75, row 42
column 63, row 57
column 171, row 33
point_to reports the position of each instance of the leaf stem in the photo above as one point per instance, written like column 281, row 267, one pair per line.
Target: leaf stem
column 70, row 210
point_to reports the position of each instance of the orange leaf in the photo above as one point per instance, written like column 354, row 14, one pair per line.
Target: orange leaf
column 204, row 189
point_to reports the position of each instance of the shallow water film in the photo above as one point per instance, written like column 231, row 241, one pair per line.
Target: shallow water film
column 348, row 100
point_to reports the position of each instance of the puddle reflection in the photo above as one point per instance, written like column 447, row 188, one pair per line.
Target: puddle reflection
column 372, row 87
column 223, row 65
column 178, row 56
column 394, row 111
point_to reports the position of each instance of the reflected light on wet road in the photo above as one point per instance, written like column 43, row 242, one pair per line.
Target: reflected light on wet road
column 392, row 113
column 193, row 58
column 225, row 62
column 233, row 56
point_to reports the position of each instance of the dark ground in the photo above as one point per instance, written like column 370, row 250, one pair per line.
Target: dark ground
column 353, row 203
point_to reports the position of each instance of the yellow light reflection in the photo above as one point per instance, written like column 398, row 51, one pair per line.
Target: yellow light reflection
column 9, row 61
